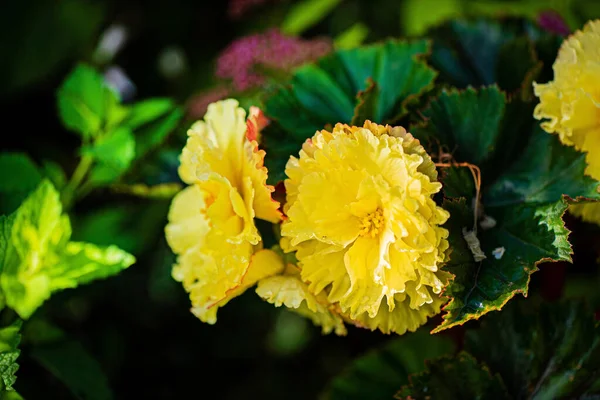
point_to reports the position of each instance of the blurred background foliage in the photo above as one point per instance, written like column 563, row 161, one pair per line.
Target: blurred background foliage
column 133, row 336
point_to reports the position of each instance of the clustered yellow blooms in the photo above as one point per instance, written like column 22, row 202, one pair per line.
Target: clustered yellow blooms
column 361, row 228
column 361, row 218
column 211, row 223
column 571, row 103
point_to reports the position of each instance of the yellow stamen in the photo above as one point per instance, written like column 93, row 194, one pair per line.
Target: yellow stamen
column 372, row 224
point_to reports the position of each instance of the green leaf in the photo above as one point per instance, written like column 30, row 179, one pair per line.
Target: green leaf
column 352, row 37
column 460, row 377
column 417, row 16
column 541, row 350
column 453, row 117
column 152, row 134
column 147, row 111
column 82, row 263
column 524, row 195
column 305, row 14
column 9, row 341
column 70, row 362
column 14, row 187
column 37, row 257
column 485, row 51
column 367, row 101
column 85, row 102
column 160, row 191
column 113, row 154
column 55, row 173
column 380, row 373
column 68, row 29
column 325, row 93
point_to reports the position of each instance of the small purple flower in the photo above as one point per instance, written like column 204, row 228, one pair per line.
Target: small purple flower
column 552, row 22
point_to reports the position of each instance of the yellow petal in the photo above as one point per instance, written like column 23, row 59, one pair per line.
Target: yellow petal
column 187, row 221
column 290, row 291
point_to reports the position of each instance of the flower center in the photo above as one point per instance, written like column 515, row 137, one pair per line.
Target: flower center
column 372, row 224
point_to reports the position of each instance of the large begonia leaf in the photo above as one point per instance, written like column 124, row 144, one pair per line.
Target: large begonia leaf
column 532, row 350
column 326, row 92
column 528, row 180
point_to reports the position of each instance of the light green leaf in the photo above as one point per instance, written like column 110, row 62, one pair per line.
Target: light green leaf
column 70, row 362
column 524, row 196
column 9, row 341
column 80, row 263
column 37, row 257
column 417, row 16
column 460, row 377
column 325, row 93
column 305, row 14
column 113, row 154
column 85, row 102
column 15, row 186
column 380, row 373
column 351, row 37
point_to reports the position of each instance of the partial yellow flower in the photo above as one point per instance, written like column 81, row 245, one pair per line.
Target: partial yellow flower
column 288, row 289
column 361, row 218
column 570, row 104
column 211, row 222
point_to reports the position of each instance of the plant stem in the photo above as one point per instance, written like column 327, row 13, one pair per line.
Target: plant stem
column 78, row 175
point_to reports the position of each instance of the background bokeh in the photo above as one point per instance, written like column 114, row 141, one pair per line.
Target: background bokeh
column 134, row 333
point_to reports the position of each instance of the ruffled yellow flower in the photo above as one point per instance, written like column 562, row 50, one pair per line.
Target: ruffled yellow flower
column 211, row 222
column 361, row 218
column 571, row 103
column 288, row 289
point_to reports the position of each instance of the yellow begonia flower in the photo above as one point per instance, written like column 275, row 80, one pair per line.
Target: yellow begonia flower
column 361, row 218
column 211, row 222
column 288, row 289
column 571, row 103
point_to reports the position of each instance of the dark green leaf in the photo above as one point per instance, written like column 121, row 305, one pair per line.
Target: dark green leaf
column 70, row 362
column 14, row 187
column 113, row 154
column 541, row 350
column 55, row 173
column 85, row 102
column 67, row 29
column 466, row 122
column 454, row 378
column 379, row 374
column 523, row 195
column 325, row 93
column 367, row 100
column 484, row 51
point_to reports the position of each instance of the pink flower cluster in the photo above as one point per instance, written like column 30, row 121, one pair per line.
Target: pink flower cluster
column 270, row 50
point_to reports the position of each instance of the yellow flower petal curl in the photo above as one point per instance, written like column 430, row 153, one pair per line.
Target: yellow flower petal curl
column 570, row 104
column 289, row 290
column 211, row 223
column 361, row 218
